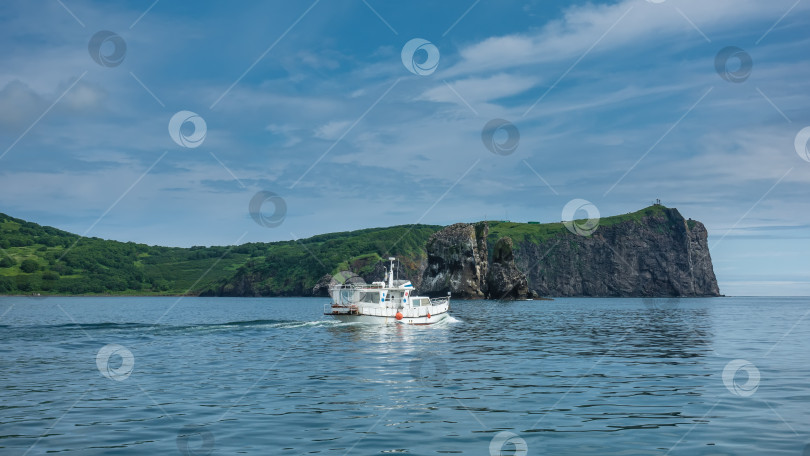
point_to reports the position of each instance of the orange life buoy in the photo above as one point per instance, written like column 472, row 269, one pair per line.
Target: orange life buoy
column 428, row 315
column 399, row 316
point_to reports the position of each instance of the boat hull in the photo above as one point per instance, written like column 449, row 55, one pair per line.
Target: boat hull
column 374, row 319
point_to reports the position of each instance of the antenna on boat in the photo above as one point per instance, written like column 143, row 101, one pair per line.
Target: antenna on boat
column 391, row 274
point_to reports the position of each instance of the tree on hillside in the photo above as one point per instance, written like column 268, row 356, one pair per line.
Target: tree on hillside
column 6, row 285
column 29, row 266
column 7, row 262
column 50, row 275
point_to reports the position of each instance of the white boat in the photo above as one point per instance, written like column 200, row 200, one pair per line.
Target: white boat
column 382, row 303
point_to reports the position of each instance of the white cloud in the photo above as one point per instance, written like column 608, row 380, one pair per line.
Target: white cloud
column 288, row 132
column 19, row 105
column 332, row 130
column 603, row 28
column 84, row 97
column 475, row 90
column 318, row 61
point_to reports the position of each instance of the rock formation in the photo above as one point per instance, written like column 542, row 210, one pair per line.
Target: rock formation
column 660, row 255
column 457, row 261
column 656, row 252
column 504, row 280
column 321, row 289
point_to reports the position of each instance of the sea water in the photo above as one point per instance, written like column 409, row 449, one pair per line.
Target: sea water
column 720, row 376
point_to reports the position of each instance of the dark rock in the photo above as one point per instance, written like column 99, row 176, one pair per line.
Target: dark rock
column 662, row 255
column 656, row 255
column 377, row 273
column 457, row 262
column 321, row 289
column 505, row 281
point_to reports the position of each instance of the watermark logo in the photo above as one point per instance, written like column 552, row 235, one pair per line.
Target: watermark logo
column 197, row 434
column 498, row 445
column 493, row 136
column 581, row 227
column 723, row 64
column 273, row 219
column 346, row 294
column 106, row 359
column 346, row 278
column 802, row 144
column 107, row 48
column 193, row 139
column 420, row 57
column 429, row 369
column 736, row 369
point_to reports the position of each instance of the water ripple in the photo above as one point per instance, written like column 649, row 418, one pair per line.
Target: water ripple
column 572, row 376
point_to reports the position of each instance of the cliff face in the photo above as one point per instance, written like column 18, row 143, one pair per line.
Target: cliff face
column 505, row 280
column 657, row 253
column 457, row 261
column 661, row 255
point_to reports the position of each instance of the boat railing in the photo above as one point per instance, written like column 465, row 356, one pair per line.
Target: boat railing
column 337, row 309
column 352, row 309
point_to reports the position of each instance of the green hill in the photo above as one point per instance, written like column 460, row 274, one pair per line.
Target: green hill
column 46, row 260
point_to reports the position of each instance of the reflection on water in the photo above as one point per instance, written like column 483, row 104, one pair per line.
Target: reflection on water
column 571, row 376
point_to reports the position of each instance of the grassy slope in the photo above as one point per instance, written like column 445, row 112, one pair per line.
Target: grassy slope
column 293, row 268
column 69, row 264
column 520, row 232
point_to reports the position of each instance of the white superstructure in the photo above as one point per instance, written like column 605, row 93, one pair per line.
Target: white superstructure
column 381, row 302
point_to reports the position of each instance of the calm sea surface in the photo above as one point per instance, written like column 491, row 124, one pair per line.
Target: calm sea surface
column 722, row 376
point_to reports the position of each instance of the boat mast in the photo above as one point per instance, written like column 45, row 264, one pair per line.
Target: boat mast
column 391, row 273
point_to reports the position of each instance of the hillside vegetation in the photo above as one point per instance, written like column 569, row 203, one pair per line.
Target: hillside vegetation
column 542, row 232
column 46, row 260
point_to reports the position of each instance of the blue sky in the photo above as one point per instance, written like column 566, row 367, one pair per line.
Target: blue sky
column 616, row 102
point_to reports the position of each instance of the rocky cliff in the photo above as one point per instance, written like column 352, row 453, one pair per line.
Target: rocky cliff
column 653, row 252
column 457, row 261
column 505, row 280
